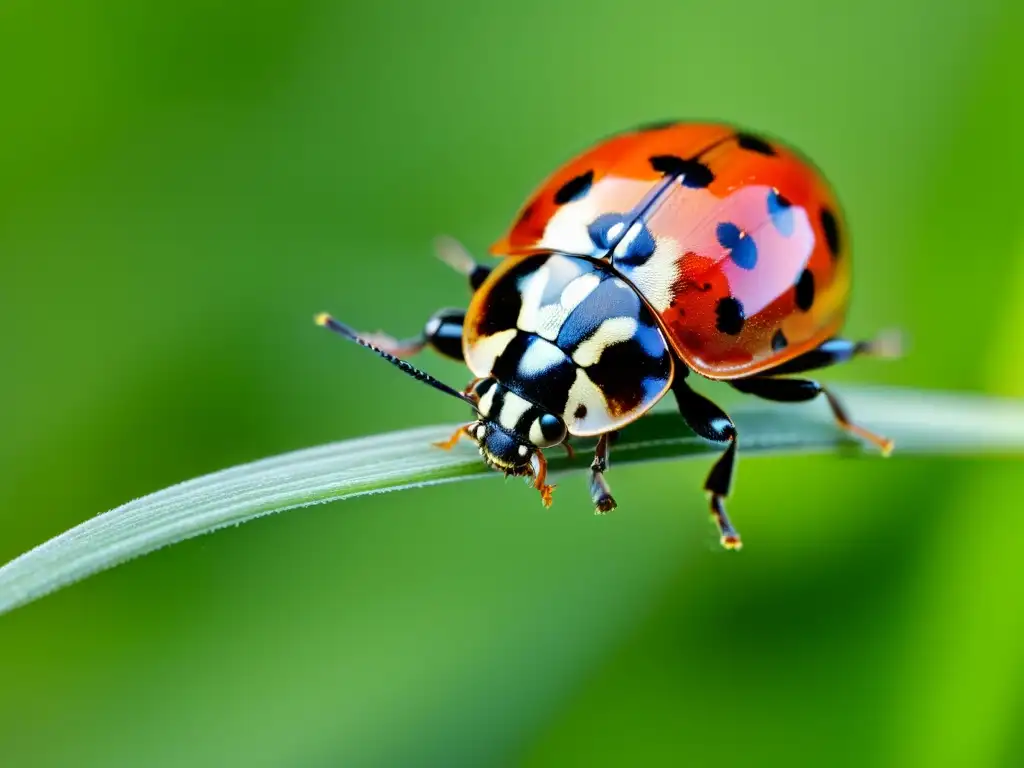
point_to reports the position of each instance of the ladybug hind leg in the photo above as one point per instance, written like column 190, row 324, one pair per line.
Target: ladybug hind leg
column 831, row 352
column 801, row 390
column 711, row 422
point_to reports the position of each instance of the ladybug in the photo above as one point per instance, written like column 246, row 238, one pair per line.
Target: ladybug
column 672, row 249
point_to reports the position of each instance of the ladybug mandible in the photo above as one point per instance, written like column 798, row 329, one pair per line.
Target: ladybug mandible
column 668, row 249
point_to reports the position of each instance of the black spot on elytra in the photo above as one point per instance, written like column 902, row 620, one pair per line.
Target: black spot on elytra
column 639, row 247
column 741, row 246
column 694, row 173
column 705, row 287
column 730, row 316
column 831, row 229
column 526, row 214
column 574, row 188
column 779, row 341
column 600, row 230
column 754, row 143
column 580, row 412
column 805, row 290
column 781, row 211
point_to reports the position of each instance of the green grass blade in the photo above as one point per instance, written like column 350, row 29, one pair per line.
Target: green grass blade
column 920, row 422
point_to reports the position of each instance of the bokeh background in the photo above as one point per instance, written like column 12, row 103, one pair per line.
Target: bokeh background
column 183, row 184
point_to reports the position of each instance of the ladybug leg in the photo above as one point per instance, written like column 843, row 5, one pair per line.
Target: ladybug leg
column 711, row 422
column 800, row 390
column 442, row 333
column 600, row 492
column 460, row 433
column 835, row 351
column 454, row 254
column 539, row 465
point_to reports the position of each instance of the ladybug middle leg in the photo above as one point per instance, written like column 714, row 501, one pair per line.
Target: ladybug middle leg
column 769, row 387
column 711, row 422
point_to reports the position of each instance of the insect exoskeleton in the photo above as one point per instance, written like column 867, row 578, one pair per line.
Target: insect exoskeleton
column 672, row 249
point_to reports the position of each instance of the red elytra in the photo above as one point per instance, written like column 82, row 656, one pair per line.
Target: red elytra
column 749, row 267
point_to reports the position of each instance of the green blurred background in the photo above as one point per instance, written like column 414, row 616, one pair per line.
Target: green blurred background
column 183, row 184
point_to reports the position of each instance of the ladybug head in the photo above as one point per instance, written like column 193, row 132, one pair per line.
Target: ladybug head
column 510, row 429
column 501, row 449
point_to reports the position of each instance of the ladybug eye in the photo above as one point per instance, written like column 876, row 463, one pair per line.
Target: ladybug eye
column 551, row 428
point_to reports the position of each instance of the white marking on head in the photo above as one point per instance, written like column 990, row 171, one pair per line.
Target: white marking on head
column 487, row 401
column 610, row 332
column 485, row 350
column 481, row 432
column 539, row 357
column 512, row 410
column 537, row 434
column 523, row 450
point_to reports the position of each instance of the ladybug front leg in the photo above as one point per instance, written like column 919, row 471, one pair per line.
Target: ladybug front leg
column 600, row 492
column 800, row 390
column 454, row 254
column 710, row 422
column 443, row 331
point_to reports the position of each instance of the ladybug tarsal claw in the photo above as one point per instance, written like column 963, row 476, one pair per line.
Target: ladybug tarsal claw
column 545, row 494
column 730, row 537
column 604, row 505
column 539, row 467
column 884, row 444
column 732, row 543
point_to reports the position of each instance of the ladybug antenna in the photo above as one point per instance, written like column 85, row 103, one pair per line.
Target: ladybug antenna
column 325, row 320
